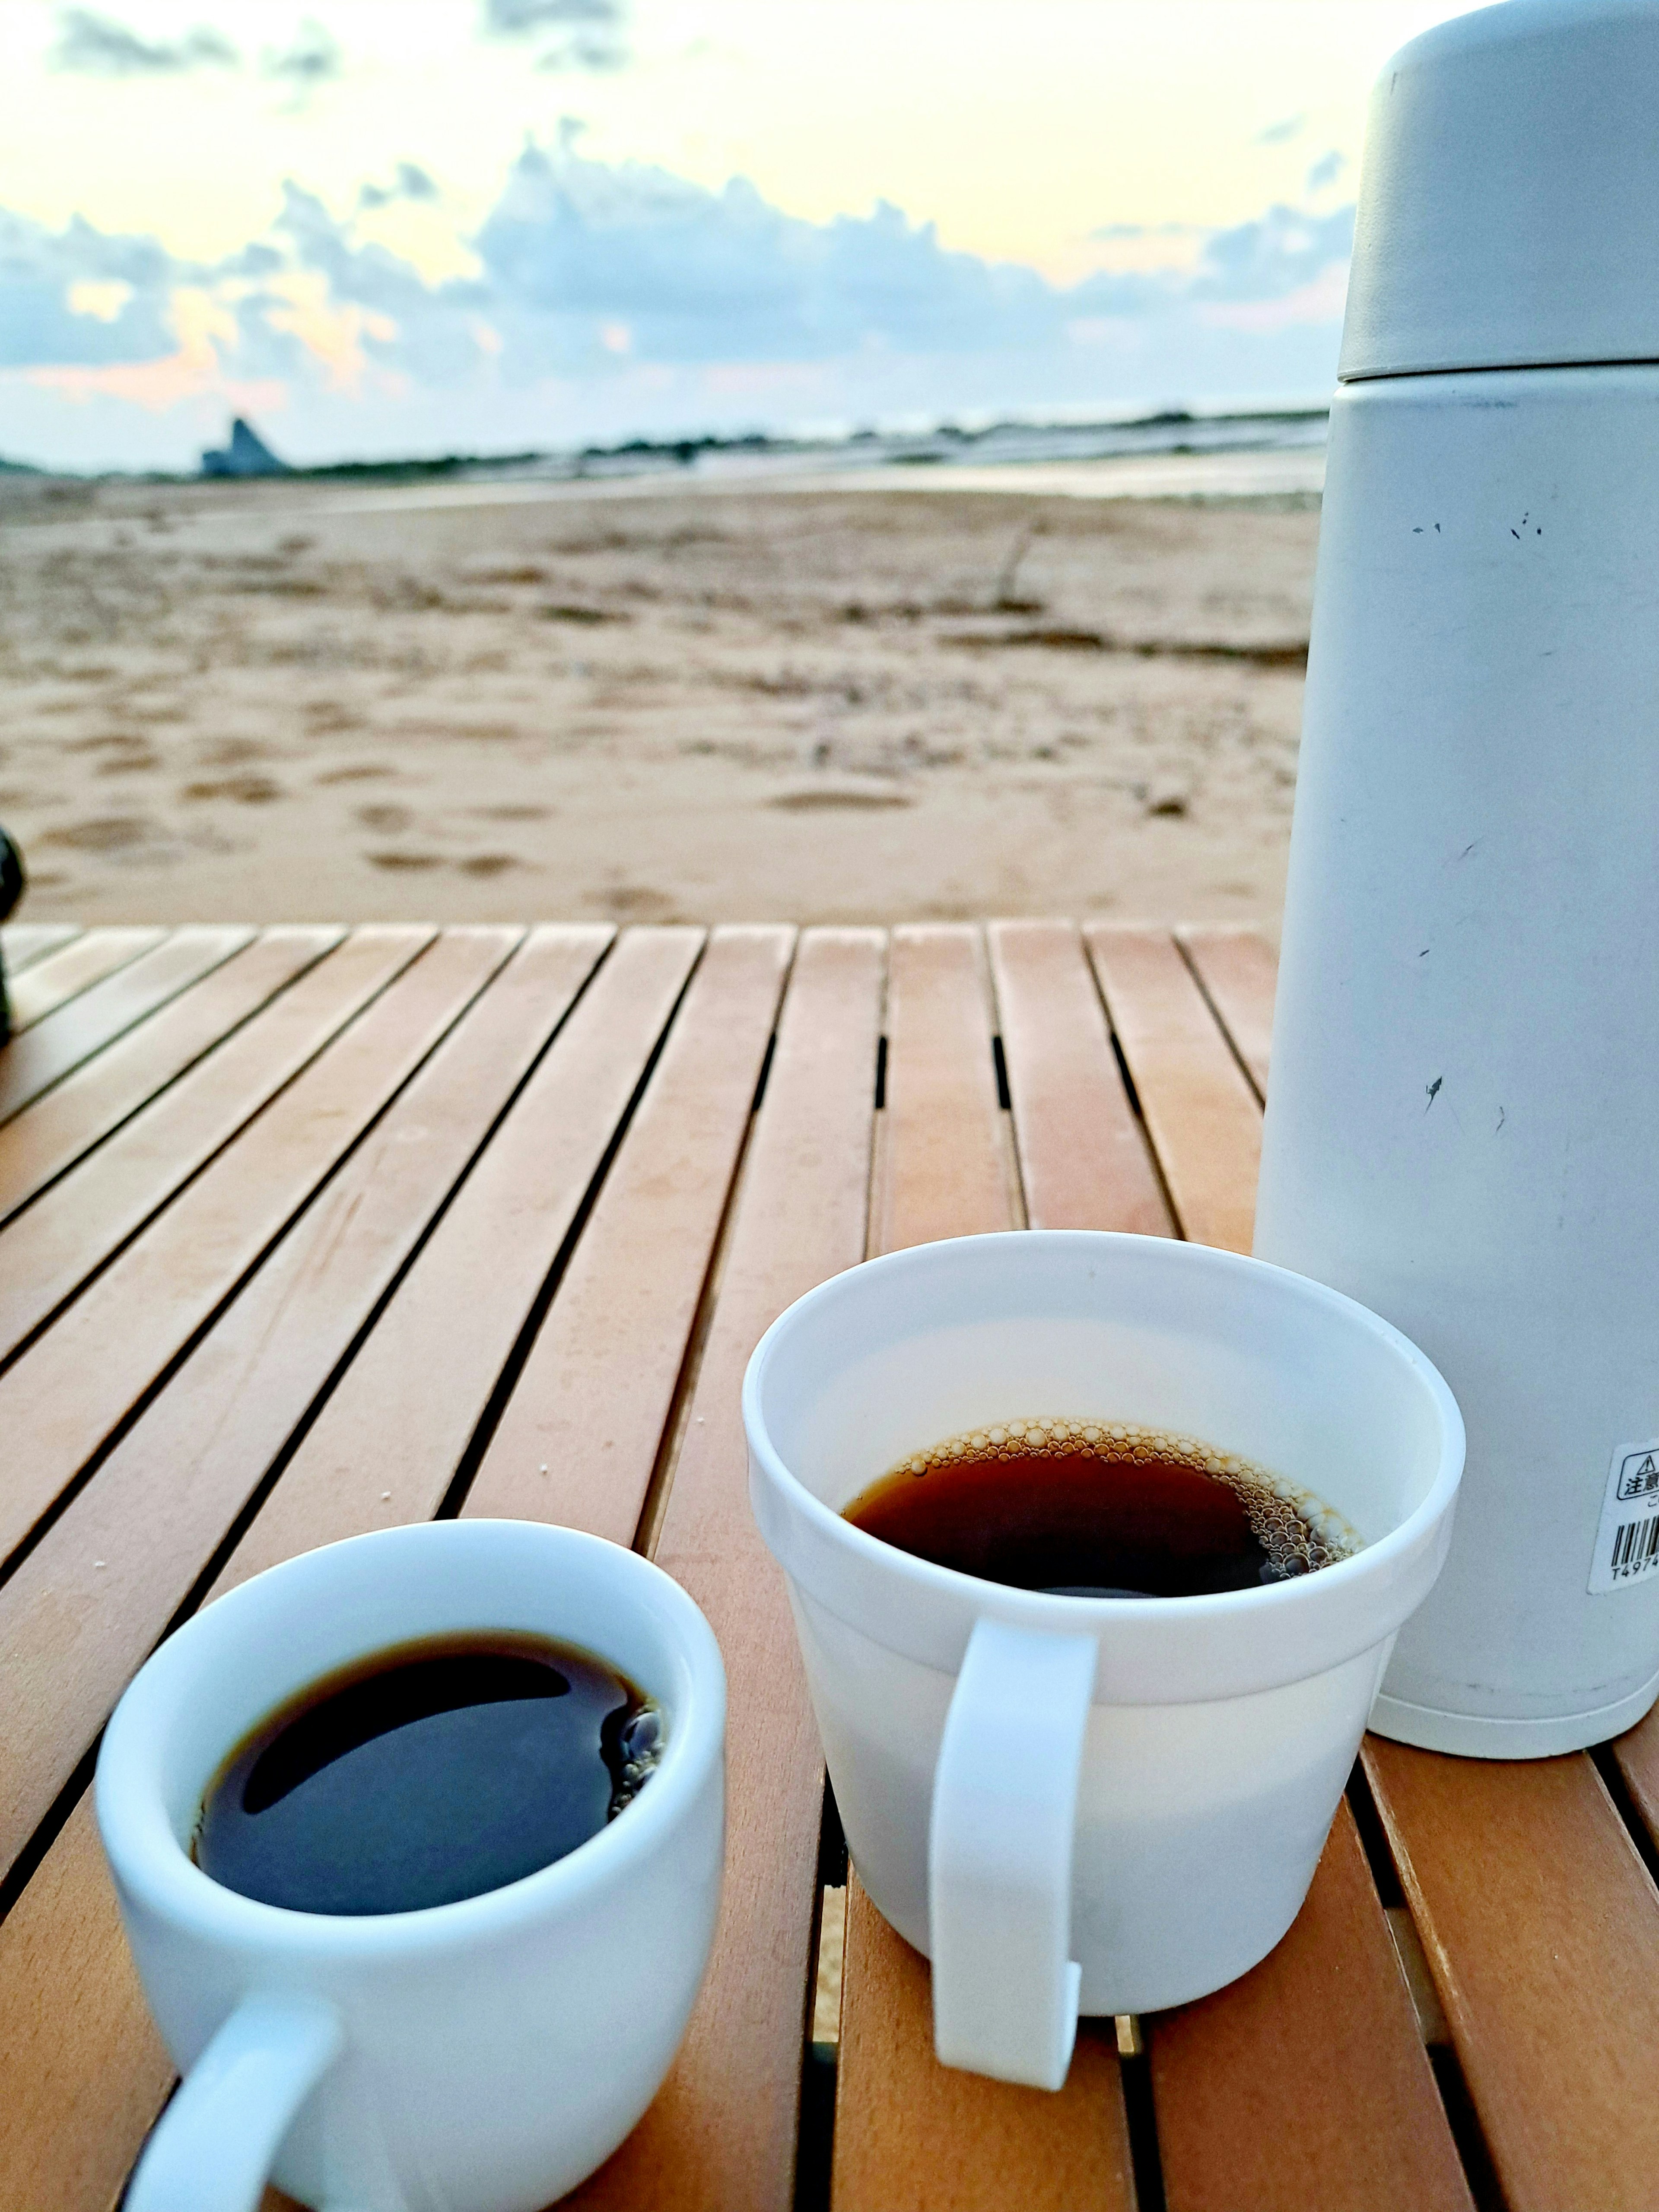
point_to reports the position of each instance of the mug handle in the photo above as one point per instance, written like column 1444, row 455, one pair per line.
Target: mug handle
column 999, row 1849
column 212, row 2148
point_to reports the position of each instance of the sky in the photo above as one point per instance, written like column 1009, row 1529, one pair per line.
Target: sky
column 390, row 226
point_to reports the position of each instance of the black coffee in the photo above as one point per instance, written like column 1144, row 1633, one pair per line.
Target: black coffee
column 430, row 1772
column 1095, row 1509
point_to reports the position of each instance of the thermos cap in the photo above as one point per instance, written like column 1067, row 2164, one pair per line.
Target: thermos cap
column 1509, row 209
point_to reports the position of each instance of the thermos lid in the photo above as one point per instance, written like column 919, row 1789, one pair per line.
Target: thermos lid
column 1509, row 209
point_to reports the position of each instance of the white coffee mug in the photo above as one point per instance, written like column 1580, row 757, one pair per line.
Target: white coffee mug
column 479, row 2056
column 1108, row 1805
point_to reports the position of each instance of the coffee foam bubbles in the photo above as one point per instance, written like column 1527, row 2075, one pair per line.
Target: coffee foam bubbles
column 1299, row 1531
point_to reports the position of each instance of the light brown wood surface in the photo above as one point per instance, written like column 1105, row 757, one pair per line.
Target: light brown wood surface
column 912, row 2135
column 70, row 1390
column 1202, row 1114
column 53, row 982
column 90, row 1104
column 1306, row 2085
column 1637, row 1757
column 385, row 1448
column 62, row 1041
column 578, row 1441
column 84, row 2070
column 721, row 2134
column 942, row 1120
column 1541, row 1927
column 23, row 943
column 1084, row 1161
column 1539, row 1921
column 92, row 1598
column 306, row 1162
column 73, row 1228
column 1239, row 972
column 899, row 2114
column 1324, row 2025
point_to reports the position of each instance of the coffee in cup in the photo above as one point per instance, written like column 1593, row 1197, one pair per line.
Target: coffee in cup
column 379, row 2001
column 1091, row 1803
column 428, row 1773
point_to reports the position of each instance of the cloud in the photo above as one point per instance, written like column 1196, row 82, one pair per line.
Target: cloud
column 410, row 181
column 587, row 34
column 314, row 58
column 1325, row 171
column 50, row 282
column 513, row 18
column 93, row 46
column 1109, row 231
column 1274, row 256
column 681, row 303
column 1280, row 134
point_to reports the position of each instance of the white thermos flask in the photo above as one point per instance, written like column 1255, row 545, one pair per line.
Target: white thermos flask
column 1462, row 1128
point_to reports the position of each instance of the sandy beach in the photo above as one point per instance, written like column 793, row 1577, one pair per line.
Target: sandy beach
column 828, row 702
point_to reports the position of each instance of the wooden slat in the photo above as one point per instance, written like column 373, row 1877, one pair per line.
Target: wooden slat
column 69, row 1390
column 1541, row 1927
column 386, row 1447
column 912, row 2133
column 89, row 1600
column 579, row 1441
column 1083, row 1155
column 1323, row 2028
column 53, row 982
column 943, row 1121
column 50, row 1249
column 88, row 1105
column 1637, row 1754
column 1305, row 2084
column 908, row 2130
column 44, row 1055
column 23, row 943
column 1239, row 971
column 1539, row 1920
column 1203, row 1117
column 83, row 2068
column 720, row 2137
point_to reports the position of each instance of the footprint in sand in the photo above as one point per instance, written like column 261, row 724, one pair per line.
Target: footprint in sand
column 822, row 802
column 104, row 832
column 245, row 790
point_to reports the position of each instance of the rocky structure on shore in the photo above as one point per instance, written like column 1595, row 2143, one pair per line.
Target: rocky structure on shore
column 246, row 455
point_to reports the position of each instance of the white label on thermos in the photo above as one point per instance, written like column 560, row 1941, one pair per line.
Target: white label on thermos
column 1627, row 1540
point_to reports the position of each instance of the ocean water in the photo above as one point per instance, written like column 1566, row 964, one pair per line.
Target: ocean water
column 1169, row 455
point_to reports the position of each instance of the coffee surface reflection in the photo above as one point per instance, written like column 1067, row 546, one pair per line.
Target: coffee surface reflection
column 1095, row 1509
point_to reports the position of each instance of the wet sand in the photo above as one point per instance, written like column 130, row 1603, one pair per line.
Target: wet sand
column 293, row 701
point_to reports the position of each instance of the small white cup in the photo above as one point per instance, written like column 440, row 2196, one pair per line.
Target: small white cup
column 484, row 2056
column 1095, row 1804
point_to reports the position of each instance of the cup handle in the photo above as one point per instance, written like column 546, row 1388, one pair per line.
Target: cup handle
column 1000, row 1850
column 213, row 2147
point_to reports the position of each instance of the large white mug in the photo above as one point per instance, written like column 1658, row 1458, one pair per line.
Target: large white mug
column 479, row 2056
column 1104, row 1805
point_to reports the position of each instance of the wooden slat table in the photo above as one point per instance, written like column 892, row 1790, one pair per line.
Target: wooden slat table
column 304, row 1231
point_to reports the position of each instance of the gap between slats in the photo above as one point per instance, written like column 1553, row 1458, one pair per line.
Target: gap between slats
column 45, row 1054
column 302, row 1167
column 745, row 1100
column 61, row 975
column 93, row 1104
column 1587, row 2151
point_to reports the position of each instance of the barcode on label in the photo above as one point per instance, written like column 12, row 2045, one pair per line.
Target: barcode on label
column 1636, row 1546
column 1627, row 1535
